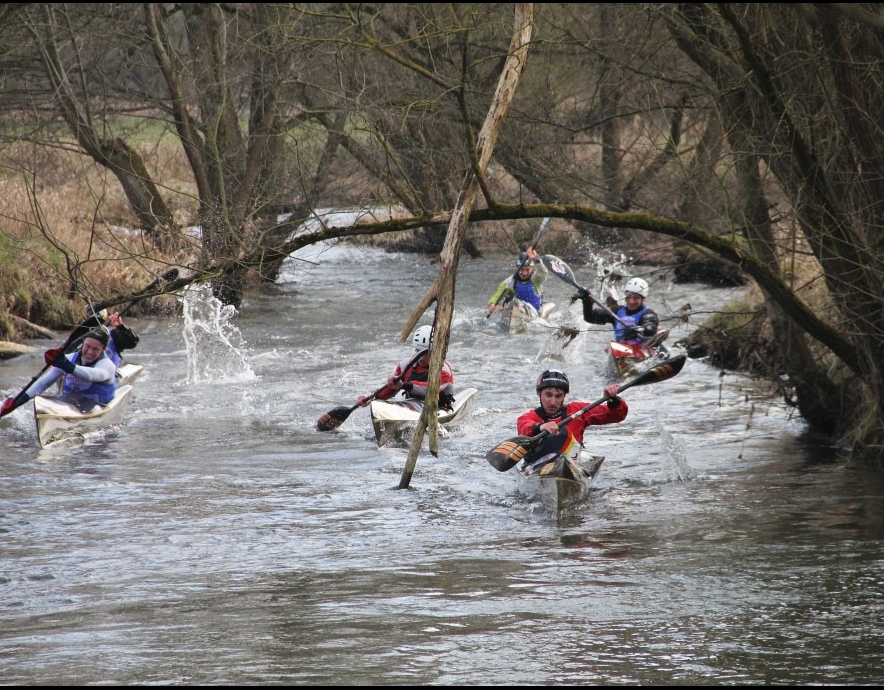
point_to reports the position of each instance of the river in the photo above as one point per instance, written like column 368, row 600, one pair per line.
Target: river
column 215, row 537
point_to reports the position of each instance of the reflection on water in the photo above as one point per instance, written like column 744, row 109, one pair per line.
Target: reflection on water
column 215, row 537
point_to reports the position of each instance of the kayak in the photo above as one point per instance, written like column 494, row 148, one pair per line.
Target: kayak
column 560, row 482
column 58, row 420
column 517, row 315
column 625, row 360
column 394, row 420
column 127, row 373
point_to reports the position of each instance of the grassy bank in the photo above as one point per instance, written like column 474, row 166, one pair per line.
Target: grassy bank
column 63, row 243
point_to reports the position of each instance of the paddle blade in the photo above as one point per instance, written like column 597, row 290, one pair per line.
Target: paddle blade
column 559, row 268
column 662, row 372
column 332, row 419
column 507, row 454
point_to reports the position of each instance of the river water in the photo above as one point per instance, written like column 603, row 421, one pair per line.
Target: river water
column 215, row 537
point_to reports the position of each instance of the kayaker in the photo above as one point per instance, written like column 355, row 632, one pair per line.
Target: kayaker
column 121, row 336
column 526, row 284
column 552, row 387
column 634, row 322
column 411, row 374
column 89, row 375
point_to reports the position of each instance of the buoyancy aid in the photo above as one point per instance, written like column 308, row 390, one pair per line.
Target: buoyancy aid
column 103, row 391
column 626, row 320
column 526, row 292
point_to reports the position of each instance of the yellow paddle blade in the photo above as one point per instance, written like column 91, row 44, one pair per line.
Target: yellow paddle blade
column 507, row 454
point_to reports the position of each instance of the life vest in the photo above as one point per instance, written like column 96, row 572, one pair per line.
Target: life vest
column 627, row 321
column 553, row 445
column 570, row 442
column 525, row 292
column 112, row 354
column 102, row 392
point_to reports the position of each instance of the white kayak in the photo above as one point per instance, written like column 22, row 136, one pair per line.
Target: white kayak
column 517, row 315
column 58, row 420
column 127, row 373
column 395, row 419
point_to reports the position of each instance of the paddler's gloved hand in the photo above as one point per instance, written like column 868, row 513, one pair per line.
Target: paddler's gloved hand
column 11, row 404
column 630, row 334
column 52, row 354
column 407, row 387
column 583, row 293
column 446, row 401
column 63, row 363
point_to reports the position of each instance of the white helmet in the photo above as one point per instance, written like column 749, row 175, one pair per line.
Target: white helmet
column 638, row 286
column 421, row 338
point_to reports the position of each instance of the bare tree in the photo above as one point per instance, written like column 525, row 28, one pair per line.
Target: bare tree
column 443, row 289
column 749, row 131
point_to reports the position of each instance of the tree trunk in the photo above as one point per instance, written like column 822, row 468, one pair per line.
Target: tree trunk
column 124, row 162
column 442, row 290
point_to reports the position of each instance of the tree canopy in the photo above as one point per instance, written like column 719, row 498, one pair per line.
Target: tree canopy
column 748, row 130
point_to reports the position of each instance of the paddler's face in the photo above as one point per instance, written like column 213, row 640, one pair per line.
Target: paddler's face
column 424, row 359
column 551, row 399
column 634, row 300
column 91, row 350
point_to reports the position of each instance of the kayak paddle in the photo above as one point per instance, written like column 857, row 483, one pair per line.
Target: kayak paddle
column 563, row 271
column 82, row 330
column 332, row 419
column 540, row 233
column 506, row 455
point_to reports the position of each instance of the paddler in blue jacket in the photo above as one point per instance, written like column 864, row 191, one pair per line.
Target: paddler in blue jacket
column 526, row 284
column 633, row 322
column 552, row 387
column 89, row 375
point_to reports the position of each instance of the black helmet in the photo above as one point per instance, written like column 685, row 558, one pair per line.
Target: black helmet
column 523, row 260
column 101, row 334
column 553, row 378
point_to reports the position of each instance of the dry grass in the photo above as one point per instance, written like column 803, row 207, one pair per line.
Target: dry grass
column 63, row 242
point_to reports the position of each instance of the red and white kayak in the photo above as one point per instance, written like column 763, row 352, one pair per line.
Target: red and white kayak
column 626, row 360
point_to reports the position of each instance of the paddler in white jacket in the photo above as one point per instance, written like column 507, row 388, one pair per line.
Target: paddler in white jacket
column 89, row 375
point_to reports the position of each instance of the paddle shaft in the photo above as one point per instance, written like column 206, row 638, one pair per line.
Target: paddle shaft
column 73, row 340
column 168, row 276
column 68, row 344
column 662, row 372
column 652, row 375
column 398, row 378
column 553, row 263
column 95, row 321
column 341, row 414
column 540, row 233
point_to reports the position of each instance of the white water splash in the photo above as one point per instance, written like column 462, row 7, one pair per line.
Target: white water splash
column 674, row 464
column 215, row 347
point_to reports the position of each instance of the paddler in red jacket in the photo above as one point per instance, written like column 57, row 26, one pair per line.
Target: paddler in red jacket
column 552, row 386
column 411, row 375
